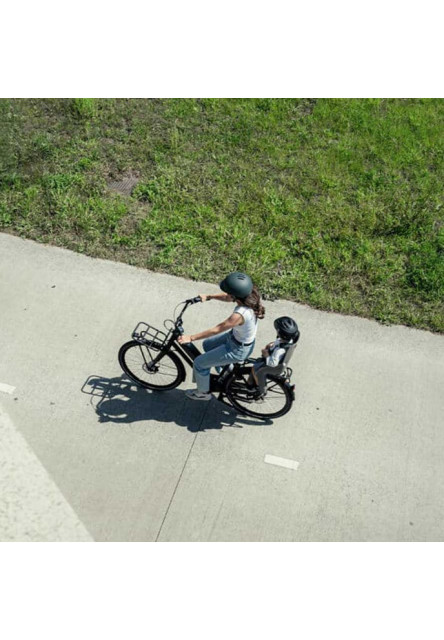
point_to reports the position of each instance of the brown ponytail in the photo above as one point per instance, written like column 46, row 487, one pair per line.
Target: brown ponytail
column 253, row 301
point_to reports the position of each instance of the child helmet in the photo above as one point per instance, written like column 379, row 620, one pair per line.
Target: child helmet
column 286, row 328
column 237, row 284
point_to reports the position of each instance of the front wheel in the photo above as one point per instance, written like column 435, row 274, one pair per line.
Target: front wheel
column 276, row 403
column 135, row 360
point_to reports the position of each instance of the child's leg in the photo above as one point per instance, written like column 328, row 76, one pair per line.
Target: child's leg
column 252, row 378
column 261, row 375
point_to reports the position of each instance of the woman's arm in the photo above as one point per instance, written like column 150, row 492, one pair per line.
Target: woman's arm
column 223, row 297
column 227, row 324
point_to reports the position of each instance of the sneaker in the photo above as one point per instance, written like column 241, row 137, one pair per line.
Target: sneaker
column 198, row 395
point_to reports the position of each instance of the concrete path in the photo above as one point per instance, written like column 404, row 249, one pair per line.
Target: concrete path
column 85, row 454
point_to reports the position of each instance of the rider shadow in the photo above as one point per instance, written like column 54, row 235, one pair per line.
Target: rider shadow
column 120, row 400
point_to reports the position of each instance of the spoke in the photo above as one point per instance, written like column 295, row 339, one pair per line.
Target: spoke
column 163, row 374
column 162, row 364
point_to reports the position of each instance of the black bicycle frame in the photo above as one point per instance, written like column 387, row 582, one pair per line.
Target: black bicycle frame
column 187, row 351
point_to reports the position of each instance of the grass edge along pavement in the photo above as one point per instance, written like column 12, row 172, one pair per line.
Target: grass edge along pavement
column 336, row 204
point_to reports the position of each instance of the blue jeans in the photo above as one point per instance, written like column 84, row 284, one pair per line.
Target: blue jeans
column 219, row 350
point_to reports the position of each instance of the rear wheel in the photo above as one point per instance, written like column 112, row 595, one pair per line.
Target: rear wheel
column 277, row 400
column 135, row 360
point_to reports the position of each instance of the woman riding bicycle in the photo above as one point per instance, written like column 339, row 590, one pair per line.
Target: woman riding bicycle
column 238, row 331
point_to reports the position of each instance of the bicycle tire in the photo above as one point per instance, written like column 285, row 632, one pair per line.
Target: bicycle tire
column 174, row 366
column 237, row 391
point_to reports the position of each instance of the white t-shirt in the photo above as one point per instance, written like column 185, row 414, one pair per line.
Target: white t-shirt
column 245, row 332
column 277, row 353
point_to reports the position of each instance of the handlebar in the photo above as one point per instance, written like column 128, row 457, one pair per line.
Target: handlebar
column 186, row 304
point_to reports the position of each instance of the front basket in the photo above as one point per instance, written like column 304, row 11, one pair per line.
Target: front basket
column 146, row 334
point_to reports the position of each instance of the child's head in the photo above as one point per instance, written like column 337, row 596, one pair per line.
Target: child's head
column 286, row 328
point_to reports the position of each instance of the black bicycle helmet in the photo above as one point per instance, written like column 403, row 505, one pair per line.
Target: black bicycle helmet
column 237, row 284
column 286, row 328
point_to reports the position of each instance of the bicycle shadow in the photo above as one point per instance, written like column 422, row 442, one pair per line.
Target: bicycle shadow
column 119, row 400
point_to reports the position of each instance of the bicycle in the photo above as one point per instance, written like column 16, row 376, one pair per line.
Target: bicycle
column 151, row 360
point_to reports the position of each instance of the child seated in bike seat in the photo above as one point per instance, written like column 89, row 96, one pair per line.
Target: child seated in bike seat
column 275, row 353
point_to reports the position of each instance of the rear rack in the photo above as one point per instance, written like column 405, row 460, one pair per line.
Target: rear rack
column 145, row 333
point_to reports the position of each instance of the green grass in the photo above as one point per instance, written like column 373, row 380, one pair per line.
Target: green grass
column 334, row 203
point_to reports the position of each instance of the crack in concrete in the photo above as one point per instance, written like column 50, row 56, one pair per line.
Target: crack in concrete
column 180, row 476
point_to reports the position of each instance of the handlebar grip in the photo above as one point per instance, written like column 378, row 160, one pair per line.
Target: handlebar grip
column 193, row 300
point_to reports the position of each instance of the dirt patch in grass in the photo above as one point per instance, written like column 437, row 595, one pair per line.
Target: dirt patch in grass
column 124, row 184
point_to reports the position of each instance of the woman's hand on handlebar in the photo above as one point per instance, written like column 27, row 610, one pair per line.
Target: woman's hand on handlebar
column 183, row 339
column 193, row 300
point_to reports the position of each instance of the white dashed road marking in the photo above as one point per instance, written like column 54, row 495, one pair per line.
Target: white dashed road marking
column 281, row 462
column 6, row 388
